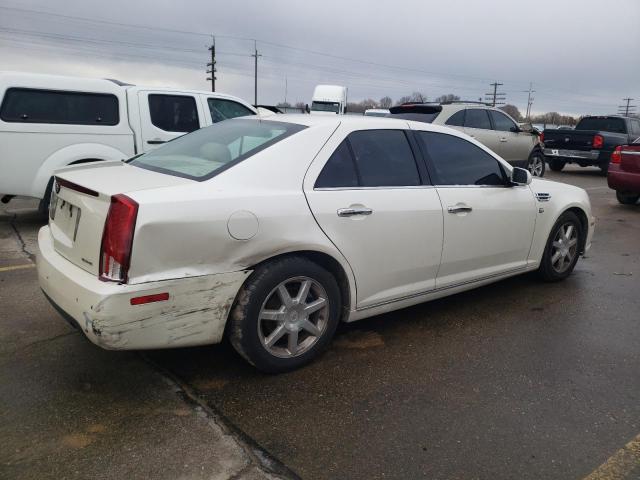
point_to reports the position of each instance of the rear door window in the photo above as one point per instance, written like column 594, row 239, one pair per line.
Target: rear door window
column 27, row 105
column 459, row 162
column 222, row 109
column 501, row 122
column 174, row 113
column 384, row 158
column 339, row 171
column 371, row 158
column 477, row 118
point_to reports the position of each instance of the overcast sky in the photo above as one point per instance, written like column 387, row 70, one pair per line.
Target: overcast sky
column 582, row 56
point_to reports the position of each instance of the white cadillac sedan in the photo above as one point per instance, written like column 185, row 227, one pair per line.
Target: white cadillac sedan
column 271, row 231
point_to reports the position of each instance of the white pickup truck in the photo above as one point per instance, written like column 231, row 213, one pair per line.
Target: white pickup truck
column 48, row 122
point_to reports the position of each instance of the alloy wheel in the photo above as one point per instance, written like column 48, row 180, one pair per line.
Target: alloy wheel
column 536, row 165
column 293, row 317
column 564, row 248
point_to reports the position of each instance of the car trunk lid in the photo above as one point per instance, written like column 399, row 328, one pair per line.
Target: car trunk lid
column 80, row 203
column 630, row 158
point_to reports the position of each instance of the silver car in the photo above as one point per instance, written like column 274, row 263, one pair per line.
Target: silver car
column 519, row 145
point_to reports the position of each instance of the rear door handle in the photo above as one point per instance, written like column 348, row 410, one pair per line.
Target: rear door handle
column 156, row 142
column 352, row 211
column 459, row 208
column 503, row 139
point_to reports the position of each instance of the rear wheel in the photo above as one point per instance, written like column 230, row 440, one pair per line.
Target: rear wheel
column 536, row 164
column 604, row 168
column 43, row 206
column 627, row 198
column 556, row 165
column 285, row 314
column 562, row 249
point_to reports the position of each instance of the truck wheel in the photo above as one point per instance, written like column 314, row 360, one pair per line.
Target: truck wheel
column 537, row 164
column 563, row 248
column 556, row 165
column 627, row 198
column 285, row 314
column 604, row 168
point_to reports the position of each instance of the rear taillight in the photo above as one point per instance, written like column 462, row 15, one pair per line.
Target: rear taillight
column 541, row 137
column 598, row 141
column 616, row 155
column 117, row 239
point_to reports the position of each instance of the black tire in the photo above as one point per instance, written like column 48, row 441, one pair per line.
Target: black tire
column 604, row 168
column 627, row 198
column 537, row 164
column 556, row 165
column 546, row 270
column 243, row 324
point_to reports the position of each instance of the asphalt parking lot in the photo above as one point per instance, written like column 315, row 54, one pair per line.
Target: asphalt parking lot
column 519, row 379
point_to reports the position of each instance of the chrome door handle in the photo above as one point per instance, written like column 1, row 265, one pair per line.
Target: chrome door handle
column 503, row 139
column 459, row 209
column 350, row 212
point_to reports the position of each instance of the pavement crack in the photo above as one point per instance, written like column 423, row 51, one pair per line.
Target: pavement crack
column 257, row 455
column 23, row 245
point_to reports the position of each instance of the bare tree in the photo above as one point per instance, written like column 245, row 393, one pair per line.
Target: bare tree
column 418, row 97
column 513, row 111
column 449, row 97
column 385, row 102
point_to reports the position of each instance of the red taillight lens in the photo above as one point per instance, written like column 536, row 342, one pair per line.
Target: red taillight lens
column 541, row 137
column 117, row 239
column 598, row 141
column 616, row 155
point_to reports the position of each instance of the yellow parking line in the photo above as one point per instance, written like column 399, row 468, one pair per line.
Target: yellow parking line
column 17, row 267
column 620, row 464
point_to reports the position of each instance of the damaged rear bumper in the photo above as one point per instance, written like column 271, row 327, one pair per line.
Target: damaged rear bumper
column 195, row 313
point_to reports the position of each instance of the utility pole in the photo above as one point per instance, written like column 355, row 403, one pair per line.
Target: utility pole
column 495, row 97
column 285, row 89
column 529, row 100
column 255, row 56
column 211, row 66
column 627, row 109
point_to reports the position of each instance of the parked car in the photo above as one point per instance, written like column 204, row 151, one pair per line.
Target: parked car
column 376, row 112
column 624, row 173
column 48, row 122
column 590, row 143
column 273, row 231
column 489, row 125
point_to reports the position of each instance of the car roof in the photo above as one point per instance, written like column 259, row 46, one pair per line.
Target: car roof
column 315, row 120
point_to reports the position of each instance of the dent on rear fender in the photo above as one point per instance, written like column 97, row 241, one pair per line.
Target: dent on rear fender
column 195, row 314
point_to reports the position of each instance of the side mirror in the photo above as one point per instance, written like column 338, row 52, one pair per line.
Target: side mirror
column 526, row 127
column 520, row 176
column 516, row 129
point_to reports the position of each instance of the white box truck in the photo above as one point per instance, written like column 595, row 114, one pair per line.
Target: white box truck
column 329, row 100
column 48, row 122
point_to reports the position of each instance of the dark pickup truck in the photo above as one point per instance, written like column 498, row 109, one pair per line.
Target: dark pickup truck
column 590, row 143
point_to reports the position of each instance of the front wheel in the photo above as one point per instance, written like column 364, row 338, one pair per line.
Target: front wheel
column 627, row 198
column 285, row 314
column 562, row 249
column 556, row 165
column 537, row 164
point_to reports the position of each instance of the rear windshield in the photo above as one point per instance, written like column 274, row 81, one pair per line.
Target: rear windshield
column 607, row 124
column 418, row 117
column 206, row 152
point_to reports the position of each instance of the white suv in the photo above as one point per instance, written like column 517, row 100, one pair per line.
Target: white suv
column 489, row 125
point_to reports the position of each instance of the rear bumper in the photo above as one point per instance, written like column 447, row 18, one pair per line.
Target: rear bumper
column 195, row 314
column 589, row 157
column 621, row 181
